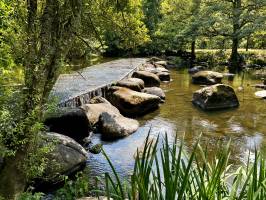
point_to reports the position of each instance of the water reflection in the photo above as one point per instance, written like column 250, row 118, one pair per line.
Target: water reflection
column 245, row 126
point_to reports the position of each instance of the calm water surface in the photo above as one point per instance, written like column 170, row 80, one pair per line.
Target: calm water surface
column 245, row 126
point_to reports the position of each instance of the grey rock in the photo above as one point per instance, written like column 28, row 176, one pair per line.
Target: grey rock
column 95, row 109
column 150, row 79
column 215, row 97
column 196, row 69
column 207, row 77
column 71, row 122
column 112, row 126
column 66, row 158
column 164, row 76
column 155, row 91
column 132, row 103
column 132, row 83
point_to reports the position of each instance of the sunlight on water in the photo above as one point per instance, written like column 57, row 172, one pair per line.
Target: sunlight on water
column 244, row 126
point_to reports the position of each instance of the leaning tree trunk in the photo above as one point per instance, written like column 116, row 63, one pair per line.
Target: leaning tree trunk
column 50, row 35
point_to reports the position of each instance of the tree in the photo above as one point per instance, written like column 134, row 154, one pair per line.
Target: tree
column 151, row 10
column 181, row 23
column 49, row 31
column 234, row 19
column 117, row 25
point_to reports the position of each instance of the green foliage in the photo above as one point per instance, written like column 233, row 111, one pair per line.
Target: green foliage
column 29, row 196
column 74, row 188
column 113, row 26
column 168, row 173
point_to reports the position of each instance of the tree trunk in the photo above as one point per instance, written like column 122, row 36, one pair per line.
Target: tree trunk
column 234, row 58
column 193, row 54
column 247, row 45
column 48, row 43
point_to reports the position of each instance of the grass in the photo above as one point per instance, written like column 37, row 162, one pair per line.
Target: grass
column 169, row 173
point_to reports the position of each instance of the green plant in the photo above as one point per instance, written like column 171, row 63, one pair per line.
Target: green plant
column 74, row 188
column 168, row 173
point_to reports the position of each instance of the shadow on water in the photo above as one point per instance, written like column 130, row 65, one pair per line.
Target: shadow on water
column 245, row 126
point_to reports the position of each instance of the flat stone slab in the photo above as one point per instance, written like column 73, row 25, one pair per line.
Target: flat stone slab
column 78, row 87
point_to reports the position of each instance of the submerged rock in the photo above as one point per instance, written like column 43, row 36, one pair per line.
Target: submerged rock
column 113, row 126
column 66, row 158
column 261, row 94
column 207, row 77
column 155, row 91
column 132, row 83
column 71, row 122
column 215, row 97
column 150, row 79
column 132, row 103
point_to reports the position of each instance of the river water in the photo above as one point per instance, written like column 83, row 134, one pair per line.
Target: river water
column 244, row 126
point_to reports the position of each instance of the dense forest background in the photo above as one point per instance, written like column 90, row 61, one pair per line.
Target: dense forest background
column 38, row 38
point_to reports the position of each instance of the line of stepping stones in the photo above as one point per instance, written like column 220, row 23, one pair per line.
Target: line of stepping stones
column 112, row 117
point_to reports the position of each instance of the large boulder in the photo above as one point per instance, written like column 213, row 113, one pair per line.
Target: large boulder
column 215, row 97
column 155, row 91
column 71, row 122
column 207, row 77
column 132, row 103
column 65, row 159
column 150, row 79
column 113, row 126
column 132, row 83
column 96, row 107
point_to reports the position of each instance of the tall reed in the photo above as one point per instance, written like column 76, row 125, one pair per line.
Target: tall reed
column 168, row 173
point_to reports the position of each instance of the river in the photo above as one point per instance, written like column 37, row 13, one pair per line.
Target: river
column 244, row 126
